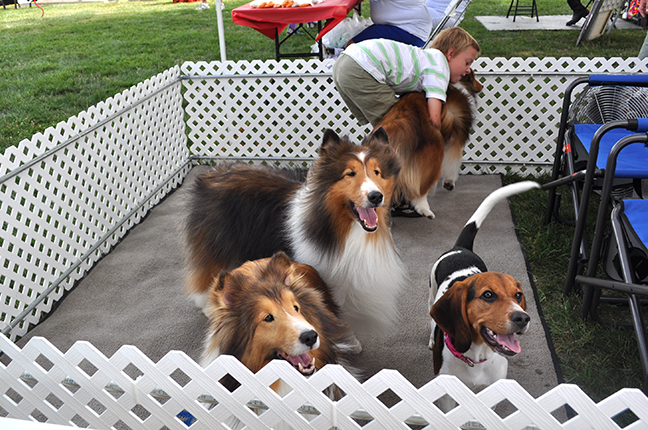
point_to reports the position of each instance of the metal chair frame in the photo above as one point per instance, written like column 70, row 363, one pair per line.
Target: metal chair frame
column 583, row 178
column 520, row 10
column 629, row 285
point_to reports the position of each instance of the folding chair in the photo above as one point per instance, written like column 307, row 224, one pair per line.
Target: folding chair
column 625, row 255
column 452, row 16
column 588, row 129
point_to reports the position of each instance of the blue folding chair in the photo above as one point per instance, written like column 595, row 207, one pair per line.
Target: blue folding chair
column 603, row 113
column 625, row 258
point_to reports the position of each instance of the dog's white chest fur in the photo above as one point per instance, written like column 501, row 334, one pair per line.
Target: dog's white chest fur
column 366, row 277
column 482, row 374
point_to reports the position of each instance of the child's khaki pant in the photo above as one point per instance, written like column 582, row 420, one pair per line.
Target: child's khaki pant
column 368, row 99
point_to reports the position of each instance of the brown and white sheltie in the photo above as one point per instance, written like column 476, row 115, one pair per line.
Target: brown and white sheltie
column 337, row 221
column 274, row 308
column 428, row 153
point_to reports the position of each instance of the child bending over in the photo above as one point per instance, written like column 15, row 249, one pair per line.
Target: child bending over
column 369, row 75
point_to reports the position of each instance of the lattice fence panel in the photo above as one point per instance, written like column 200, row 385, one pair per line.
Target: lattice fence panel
column 270, row 109
column 86, row 389
column 64, row 190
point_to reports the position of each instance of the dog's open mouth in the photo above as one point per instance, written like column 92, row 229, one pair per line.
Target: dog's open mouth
column 504, row 344
column 367, row 216
column 303, row 362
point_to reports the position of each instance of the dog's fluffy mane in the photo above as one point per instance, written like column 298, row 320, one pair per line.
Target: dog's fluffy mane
column 240, row 212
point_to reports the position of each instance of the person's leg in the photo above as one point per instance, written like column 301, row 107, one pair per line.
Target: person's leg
column 579, row 10
column 367, row 99
column 344, row 83
column 644, row 49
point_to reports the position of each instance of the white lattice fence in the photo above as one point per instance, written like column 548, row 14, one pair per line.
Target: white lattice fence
column 69, row 194
column 280, row 110
column 84, row 388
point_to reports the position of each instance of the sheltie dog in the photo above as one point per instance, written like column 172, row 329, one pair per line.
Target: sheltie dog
column 337, row 221
column 274, row 308
column 427, row 152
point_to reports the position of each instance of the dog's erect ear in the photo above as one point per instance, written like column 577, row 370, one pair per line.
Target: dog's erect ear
column 378, row 144
column 378, row 135
column 306, row 276
column 329, row 141
column 279, row 268
column 223, row 286
column 450, row 313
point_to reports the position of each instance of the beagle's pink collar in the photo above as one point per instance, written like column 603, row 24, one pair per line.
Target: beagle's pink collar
column 457, row 354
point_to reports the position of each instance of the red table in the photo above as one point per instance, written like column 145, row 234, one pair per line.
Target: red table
column 272, row 21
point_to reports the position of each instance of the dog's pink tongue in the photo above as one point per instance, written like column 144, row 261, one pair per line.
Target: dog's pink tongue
column 303, row 359
column 510, row 342
column 368, row 216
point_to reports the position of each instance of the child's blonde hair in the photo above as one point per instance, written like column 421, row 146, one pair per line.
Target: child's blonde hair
column 454, row 37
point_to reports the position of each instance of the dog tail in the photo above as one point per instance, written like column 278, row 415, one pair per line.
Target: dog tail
column 467, row 236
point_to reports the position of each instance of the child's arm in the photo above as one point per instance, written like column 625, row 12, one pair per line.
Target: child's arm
column 434, row 106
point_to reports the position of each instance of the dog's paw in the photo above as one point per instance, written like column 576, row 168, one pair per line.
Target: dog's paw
column 353, row 345
column 449, row 185
column 426, row 213
column 422, row 207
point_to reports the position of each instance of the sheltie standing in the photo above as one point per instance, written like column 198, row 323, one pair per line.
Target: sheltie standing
column 428, row 153
column 336, row 221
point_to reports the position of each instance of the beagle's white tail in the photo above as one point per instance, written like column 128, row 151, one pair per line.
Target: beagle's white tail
column 467, row 236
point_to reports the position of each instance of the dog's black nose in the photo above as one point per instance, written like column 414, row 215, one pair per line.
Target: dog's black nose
column 308, row 338
column 375, row 198
column 521, row 319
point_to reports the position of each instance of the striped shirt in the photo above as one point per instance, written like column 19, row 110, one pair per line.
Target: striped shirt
column 405, row 68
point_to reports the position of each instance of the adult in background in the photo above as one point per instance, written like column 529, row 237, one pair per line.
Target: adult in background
column 437, row 10
column 405, row 21
column 644, row 49
column 579, row 11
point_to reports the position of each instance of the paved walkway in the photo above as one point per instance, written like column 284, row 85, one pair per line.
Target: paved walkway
column 135, row 294
column 546, row 22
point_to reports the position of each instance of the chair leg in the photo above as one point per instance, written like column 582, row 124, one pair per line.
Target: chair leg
column 640, row 332
column 510, row 8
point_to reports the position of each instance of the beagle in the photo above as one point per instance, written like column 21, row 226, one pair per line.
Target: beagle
column 475, row 313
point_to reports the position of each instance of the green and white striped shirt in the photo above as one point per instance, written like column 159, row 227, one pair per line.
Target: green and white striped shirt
column 403, row 67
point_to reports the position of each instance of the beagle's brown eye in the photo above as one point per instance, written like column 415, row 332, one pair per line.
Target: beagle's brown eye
column 488, row 296
column 269, row 318
column 518, row 296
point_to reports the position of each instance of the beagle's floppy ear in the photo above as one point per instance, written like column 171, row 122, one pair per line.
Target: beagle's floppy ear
column 450, row 314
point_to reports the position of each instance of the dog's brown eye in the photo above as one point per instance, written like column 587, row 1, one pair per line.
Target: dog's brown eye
column 268, row 318
column 518, row 297
column 377, row 172
column 489, row 296
column 351, row 174
column 296, row 308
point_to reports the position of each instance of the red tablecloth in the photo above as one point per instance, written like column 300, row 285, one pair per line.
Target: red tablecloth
column 266, row 20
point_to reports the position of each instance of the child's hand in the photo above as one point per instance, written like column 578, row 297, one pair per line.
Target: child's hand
column 435, row 106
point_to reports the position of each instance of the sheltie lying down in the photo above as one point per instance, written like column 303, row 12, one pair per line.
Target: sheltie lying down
column 429, row 153
column 274, row 308
column 336, row 221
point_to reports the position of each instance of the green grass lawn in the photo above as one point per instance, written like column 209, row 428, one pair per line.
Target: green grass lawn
column 76, row 55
